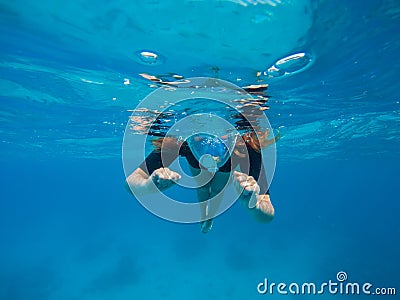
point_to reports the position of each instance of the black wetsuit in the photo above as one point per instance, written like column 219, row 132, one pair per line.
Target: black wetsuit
column 256, row 170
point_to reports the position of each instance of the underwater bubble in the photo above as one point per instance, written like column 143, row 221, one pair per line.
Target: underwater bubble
column 149, row 57
column 291, row 64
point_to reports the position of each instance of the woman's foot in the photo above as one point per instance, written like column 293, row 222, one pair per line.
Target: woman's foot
column 206, row 225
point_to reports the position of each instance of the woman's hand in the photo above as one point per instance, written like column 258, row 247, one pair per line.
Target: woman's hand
column 246, row 183
column 164, row 178
column 259, row 206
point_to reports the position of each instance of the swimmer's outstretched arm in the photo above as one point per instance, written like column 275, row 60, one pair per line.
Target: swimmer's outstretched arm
column 263, row 210
column 141, row 183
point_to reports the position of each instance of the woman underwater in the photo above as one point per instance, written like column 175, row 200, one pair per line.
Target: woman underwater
column 204, row 152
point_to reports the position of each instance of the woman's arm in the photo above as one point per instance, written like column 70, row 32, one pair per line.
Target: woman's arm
column 258, row 202
column 153, row 175
column 258, row 205
column 139, row 182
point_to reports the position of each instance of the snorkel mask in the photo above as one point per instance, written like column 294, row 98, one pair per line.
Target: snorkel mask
column 211, row 151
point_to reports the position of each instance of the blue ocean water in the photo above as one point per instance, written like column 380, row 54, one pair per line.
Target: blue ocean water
column 69, row 80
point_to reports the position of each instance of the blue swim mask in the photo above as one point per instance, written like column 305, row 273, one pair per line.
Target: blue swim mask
column 211, row 151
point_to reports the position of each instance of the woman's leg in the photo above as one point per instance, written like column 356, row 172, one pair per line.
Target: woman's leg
column 218, row 184
column 210, row 194
column 203, row 190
